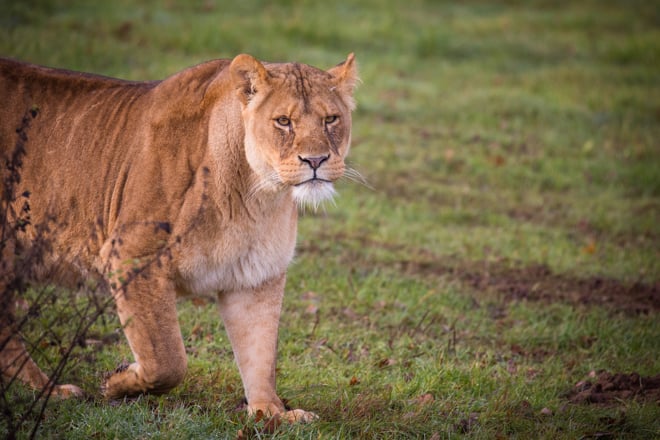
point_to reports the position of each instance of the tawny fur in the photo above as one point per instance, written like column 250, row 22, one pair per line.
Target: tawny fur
column 208, row 165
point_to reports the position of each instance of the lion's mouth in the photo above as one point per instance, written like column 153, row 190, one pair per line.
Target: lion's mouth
column 314, row 181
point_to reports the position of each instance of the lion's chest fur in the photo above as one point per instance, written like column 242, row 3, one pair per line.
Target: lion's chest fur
column 238, row 255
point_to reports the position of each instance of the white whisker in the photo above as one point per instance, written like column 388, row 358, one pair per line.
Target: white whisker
column 355, row 176
column 268, row 182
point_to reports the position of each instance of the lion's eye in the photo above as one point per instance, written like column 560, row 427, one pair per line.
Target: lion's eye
column 283, row 121
column 331, row 119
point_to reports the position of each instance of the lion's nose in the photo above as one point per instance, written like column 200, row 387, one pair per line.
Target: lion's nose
column 314, row 161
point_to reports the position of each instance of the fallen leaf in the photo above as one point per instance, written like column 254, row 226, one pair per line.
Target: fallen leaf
column 511, row 367
column 384, row 363
column 409, row 415
column 196, row 331
column 517, row 349
column 425, row 399
column 199, row 301
column 532, row 373
column 498, row 160
column 380, row 305
column 589, row 248
column 309, row 296
column 349, row 313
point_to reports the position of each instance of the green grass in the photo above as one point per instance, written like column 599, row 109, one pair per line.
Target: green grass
column 496, row 137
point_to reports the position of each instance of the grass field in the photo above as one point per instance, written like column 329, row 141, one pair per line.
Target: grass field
column 506, row 248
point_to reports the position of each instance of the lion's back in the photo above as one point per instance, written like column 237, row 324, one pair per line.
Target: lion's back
column 90, row 148
column 64, row 134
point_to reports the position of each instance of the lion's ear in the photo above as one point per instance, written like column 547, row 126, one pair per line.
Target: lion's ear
column 249, row 76
column 346, row 75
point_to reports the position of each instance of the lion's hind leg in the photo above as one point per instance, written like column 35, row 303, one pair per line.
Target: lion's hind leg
column 16, row 363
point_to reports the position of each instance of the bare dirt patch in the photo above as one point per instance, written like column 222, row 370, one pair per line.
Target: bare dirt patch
column 510, row 280
column 539, row 283
column 610, row 388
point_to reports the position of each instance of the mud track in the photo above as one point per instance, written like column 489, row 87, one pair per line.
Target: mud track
column 539, row 283
column 510, row 280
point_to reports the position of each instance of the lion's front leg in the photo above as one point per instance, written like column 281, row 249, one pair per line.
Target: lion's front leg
column 251, row 319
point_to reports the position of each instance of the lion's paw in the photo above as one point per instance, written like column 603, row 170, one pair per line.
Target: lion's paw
column 67, row 391
column 277, row 413
column 299, row 416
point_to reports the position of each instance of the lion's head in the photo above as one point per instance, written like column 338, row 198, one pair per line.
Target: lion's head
column 297, row 124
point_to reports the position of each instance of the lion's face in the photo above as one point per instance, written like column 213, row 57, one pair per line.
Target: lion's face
column 298, row 127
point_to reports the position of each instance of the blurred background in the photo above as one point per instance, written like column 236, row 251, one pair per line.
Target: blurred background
column 540, row 113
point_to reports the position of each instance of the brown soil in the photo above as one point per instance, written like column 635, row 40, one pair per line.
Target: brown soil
column 539, row 283
column 512, row 281
column 608, row 388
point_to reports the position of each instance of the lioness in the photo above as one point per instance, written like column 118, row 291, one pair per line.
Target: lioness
column 208, row 164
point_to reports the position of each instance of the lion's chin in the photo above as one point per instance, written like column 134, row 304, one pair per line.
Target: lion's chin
column 313, row 193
